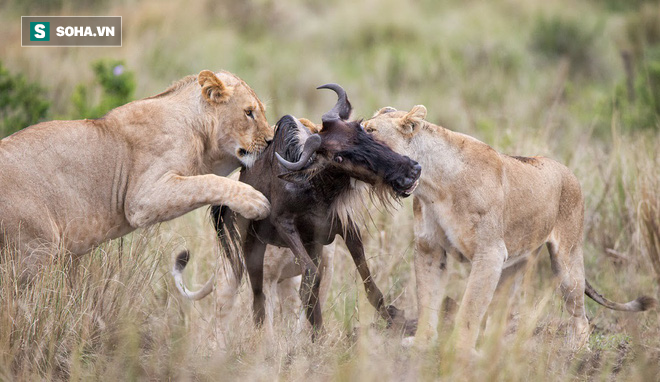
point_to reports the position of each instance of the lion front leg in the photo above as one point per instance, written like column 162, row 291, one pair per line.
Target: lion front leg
column 431, row 276
column 174, row 195
column 484, row 276
column 430, row 273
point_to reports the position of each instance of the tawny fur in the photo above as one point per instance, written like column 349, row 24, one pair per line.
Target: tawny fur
column 485, row 207
column 71, row 185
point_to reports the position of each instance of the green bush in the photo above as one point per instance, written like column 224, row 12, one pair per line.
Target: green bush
column 638, row 100
column 21, row 102
column 558, row 37
column 36, row 7
column 641, row 30
column 621, row 5
column 641, row 109
column 117, row 87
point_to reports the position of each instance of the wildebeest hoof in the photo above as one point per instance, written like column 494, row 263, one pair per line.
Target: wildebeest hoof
column 409, row 328
column 397, row 321
column 395, row 316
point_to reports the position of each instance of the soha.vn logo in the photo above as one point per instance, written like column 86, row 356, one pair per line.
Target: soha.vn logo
column 85, row 31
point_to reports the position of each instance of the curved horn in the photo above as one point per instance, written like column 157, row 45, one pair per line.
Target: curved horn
column 311, row 145
column 342, row 108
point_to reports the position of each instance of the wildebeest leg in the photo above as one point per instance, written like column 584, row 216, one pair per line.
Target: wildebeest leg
column 326, row 270
column 353, row 242
column 275, row 259
column 309, row 289
column 254, row 262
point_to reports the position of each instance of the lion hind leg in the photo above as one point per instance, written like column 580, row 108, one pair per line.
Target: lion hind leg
column 568, row 265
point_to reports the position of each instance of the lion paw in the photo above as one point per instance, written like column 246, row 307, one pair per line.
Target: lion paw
column 253, row 204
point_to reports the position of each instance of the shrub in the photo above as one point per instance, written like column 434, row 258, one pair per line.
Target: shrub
column 621, row 6
column 21, row 102
column 639, row 101
column 641, row 110
column 117, row 87
column 46, row 6
column 558, row 37
column 642, row 30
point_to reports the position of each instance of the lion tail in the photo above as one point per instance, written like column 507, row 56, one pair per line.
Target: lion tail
column 179, row 265
column 638, row 305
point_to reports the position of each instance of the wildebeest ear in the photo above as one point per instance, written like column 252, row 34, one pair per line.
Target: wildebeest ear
column 213, row 89
column 386, row 109
column 411, row 122
column 314, row 128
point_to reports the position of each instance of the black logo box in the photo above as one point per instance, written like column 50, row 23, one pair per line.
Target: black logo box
column 76, row 22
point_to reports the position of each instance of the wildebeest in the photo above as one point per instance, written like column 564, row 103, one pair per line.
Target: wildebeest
column 314, row 182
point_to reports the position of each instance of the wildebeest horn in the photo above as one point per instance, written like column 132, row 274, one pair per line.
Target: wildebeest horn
column 342, row 108
column 312, row 144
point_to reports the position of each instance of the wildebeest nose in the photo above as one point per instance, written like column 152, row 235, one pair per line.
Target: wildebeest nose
column 403, row 182
column 417, row 169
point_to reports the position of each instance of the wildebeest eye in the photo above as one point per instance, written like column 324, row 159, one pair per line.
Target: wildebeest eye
column 339, row 159
column 249, row 113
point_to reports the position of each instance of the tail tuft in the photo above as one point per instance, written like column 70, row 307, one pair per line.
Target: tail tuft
column 179, row 264
column 182, row 260
column 638, row 305
column 646, row 303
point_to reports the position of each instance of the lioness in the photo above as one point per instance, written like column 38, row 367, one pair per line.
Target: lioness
column 479, row 205
column 71, row 185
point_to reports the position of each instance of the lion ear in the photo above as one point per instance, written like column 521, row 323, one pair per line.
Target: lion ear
column 213, row 89
column 412, row 121
column 310, row 125
column 386, row 109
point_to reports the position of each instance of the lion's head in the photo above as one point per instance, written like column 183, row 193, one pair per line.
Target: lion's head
column 246, row 132
column 397, row 128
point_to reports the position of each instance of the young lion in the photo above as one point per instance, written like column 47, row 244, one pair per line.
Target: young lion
column 479, row 205
column 71, row 185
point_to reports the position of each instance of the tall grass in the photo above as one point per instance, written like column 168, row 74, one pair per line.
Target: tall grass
column 479, row 69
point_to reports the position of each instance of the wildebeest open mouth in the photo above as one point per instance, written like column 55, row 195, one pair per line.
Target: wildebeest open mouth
column 411, row 189
column 405, row 185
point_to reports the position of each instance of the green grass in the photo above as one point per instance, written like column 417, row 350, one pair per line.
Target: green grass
column 498, row 70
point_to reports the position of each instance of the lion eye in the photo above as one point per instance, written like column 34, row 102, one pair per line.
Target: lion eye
column 249, row 113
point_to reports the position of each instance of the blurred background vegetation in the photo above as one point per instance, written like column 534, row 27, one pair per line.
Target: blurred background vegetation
column 480, row 67
column 575, row 80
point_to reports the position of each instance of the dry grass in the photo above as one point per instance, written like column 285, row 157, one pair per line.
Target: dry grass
column 114, row 314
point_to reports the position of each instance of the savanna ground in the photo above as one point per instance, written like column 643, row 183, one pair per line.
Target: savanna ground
column 577, row 81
